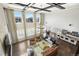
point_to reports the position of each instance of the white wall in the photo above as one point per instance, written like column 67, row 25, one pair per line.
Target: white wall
column 62, row 18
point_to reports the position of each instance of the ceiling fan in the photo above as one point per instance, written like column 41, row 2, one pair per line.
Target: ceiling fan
column 57, row 5
column 24, row 5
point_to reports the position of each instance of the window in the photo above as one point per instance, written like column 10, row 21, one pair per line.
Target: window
column 18, row 19
column 29, row 17
column 37, row 17
column 19, row 25
column 17, row 15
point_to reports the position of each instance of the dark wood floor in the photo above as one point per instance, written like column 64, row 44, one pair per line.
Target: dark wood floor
column 65, row 49
column 19, row 48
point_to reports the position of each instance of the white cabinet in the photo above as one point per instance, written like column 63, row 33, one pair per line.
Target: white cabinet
column 67, row 39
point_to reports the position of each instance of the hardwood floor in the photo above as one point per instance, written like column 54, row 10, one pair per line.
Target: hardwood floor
column 65, row 49
column 19, row 48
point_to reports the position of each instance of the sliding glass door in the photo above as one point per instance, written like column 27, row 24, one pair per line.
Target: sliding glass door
column 29, row 24
column 37, row 24
column 19, row 25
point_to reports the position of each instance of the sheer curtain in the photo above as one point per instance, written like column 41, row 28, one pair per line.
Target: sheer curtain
column 11, row 24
